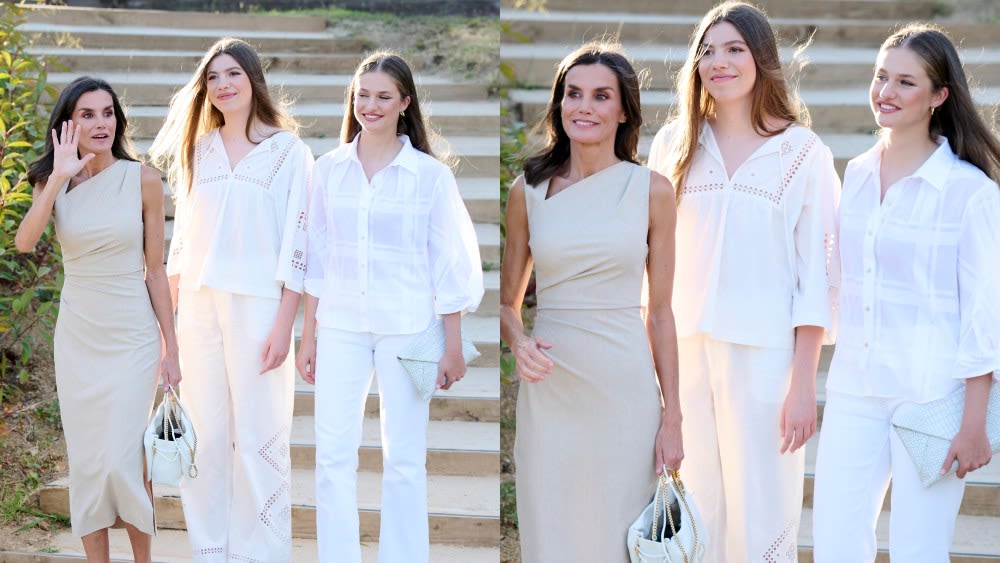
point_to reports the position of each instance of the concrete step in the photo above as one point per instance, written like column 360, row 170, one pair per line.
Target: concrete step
column 977, row 539
column 454, row 447
column 171, row 546
column 319, row 119
column 534, row 64
column 674, row 28
column 140, row 37
column 844, row 111
column 98, row 60
column 982, row 487
column 850, row 9
column 155, row 88
column 483, row 331
column 111, row 18
column 464, row 510
column 475, row 398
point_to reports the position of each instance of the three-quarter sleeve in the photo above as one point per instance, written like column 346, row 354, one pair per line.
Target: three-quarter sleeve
column 295, row 172
column 979, row 286
column 175, row 255
column 817, row 262
column 453, row 250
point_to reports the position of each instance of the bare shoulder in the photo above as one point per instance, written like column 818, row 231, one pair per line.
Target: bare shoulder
column 148, row 174
column 661, row 190
column 517, row 188
column 152, row 184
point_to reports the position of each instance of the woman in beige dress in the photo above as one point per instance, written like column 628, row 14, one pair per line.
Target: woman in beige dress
column 114, row 309
column 593, row 427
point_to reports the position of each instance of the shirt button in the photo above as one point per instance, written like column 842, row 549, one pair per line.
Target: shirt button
column 866, row 345
column 868, row 270
column 867, row 308
column 869, row 232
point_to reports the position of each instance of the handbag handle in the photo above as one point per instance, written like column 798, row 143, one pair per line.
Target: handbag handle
column 176, row 409
column 660, row 500
column 682, row 493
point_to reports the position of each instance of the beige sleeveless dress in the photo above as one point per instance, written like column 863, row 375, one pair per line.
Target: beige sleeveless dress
column 585, row 435
column 107, row 346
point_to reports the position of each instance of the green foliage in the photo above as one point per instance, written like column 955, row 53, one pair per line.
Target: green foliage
column 508, row 504
column 29, row 283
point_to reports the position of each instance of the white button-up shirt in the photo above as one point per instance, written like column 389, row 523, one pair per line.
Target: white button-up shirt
column 242, row 229
column 920, row 300
column 385, row 256
column 755, row 253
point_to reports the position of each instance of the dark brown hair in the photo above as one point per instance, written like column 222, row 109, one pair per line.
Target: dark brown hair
column 956, row 118
column 546, row 162
column 121, row 146
column 411, row 123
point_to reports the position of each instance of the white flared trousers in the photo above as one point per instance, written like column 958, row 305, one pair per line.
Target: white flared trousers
column 859, row 453
column 238, row 509
column 345, row 363
column 749, row 494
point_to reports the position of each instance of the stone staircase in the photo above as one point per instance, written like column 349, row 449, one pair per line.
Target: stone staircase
column 146, row 56
column 846, row 35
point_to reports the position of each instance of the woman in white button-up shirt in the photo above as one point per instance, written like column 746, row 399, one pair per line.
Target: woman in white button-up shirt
column 391, row 247
column 756, row 217
column 236, row 265
column 919, row 304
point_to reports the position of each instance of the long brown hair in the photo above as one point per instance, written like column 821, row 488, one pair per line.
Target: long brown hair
column 411, row 123
column 191, row 114
column 62, row 111
column 956, row 118
column 773, row 100
column 545, row 163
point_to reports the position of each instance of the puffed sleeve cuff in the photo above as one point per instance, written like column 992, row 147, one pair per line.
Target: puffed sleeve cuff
column 457, row 304
column 297, row 172
column 979, row 286
column 813, row 310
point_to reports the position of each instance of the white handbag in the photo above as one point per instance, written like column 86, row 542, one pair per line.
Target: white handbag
column 927, row 430
column 669, row 529
column 170, row 442
column 422, row 353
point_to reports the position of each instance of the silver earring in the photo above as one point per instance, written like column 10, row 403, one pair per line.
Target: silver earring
column 402, row 114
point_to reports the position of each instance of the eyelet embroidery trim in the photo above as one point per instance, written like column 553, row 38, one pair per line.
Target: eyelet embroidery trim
column 784, row 549
column 279, row 521
column 212, row 551
column 276, row 452
column 701, row 188
column 829, row 243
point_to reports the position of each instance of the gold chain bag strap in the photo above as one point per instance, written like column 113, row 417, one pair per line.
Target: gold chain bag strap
column 669, row 529
column 170, row 442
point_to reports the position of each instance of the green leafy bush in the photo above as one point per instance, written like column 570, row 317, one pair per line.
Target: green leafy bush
column 29, row 283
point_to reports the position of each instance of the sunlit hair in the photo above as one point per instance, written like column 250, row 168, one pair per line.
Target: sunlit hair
column 121, row 146
column 191, row 114
column 553, row 156
column 411, row 123
column 956, row 118
column 773, row 100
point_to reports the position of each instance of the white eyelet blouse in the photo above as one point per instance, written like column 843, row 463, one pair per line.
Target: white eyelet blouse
column 920, row 300
column 388, row 255
column 242, row 230
column 755, row 253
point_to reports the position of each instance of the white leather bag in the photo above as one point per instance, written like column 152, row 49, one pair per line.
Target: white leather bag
column 927, row 429
column 422, row 353
column 669, row 529
column 170, row 442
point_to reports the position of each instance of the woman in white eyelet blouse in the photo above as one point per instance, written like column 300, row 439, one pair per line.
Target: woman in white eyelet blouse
column 236, row 266
column 391, row 247
column 919, row 306
column 753, row 283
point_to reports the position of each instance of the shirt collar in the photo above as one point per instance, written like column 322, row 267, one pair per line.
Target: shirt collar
column 707, row 140
column 407, row 157
column 933, row 171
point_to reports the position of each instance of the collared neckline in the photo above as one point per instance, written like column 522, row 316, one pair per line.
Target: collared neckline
column 406, row 158
column 933, row 171
column 707, row 140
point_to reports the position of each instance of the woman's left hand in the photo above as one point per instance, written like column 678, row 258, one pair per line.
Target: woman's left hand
column 451, row 369
column 669, row 448
column 275, row 349
column 170, row 369
column 971, row 448
column 798, row 418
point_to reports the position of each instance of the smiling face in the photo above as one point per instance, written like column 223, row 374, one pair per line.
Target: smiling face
column 591, row 105
column 228, row 86
column 726, row 66
column 378, row 102
column 95, row 112
column 901, row 93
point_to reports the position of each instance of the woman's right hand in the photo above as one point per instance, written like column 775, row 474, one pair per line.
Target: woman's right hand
column 66, row 161
column 532, row 364
column 305, row 360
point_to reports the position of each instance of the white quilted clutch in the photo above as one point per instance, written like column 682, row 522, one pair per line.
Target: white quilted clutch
column 422, row 353
column 927, row 429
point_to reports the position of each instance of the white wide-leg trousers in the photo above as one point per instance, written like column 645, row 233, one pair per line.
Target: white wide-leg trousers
column 345, row 363
column 858, row 454
column 749, row 494
column 238, row 509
